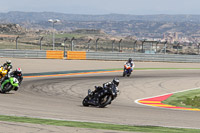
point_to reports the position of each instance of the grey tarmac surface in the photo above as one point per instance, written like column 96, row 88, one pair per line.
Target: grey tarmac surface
column 61, row 97
column 52, row 65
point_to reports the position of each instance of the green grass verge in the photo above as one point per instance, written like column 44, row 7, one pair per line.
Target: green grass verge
column 69, row 35
column 22, row 46
column 182, row 98
column 152, row 129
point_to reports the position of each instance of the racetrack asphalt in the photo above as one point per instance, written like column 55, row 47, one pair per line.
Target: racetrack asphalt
column 61, row 97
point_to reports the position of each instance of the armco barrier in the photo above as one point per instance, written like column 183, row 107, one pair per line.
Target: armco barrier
column 99, row 55
column 22, row 53
column 142, row 57
column 54, row 54
column 76, row 55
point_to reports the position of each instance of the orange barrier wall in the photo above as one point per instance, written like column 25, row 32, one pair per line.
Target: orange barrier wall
column 55, row 54
column 76, row 55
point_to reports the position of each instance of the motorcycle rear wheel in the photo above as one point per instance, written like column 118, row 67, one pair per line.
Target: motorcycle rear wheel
column 104, row 101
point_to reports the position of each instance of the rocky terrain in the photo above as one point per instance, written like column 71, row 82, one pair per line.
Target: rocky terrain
column 114, row 24
column 30, row 27
column 11, row 29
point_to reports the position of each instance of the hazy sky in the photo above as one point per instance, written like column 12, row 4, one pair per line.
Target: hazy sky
column 136, row 7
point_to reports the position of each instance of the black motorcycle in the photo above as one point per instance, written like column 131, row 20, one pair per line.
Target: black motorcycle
column 107, row 96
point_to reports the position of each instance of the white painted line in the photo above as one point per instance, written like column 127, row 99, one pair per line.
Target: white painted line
column 136, row 101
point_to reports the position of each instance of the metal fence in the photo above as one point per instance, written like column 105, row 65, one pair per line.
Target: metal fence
column 23, row 53
column 98, row 44
column 102, row 56
column 142, row 57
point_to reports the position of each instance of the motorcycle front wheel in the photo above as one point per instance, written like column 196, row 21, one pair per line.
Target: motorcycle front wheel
column 85, row 101
column 7, row 88
column 124, row 74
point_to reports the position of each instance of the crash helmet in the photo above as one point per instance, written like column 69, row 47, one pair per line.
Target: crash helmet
column 19, row 71
column 8, row 62
column 130, row 60
column 116, row 81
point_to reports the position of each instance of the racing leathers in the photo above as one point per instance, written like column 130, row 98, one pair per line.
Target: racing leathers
column 131, row 63
column 7, row 67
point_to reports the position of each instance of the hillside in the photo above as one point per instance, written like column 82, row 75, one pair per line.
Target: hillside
column 153, row 26
column 17, row 17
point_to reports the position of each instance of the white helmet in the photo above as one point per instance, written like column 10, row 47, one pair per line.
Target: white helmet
column 8, row 61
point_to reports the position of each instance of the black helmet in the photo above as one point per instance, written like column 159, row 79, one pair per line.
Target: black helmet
column 116, row 81
column 130, row 60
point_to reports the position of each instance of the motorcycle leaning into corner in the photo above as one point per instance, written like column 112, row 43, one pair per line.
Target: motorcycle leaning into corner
column 127, row 70
column 10, row 84
column 106, row 97
column 12, row 81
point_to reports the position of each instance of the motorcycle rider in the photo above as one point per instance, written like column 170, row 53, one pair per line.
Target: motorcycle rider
column 17, row 74
column 130, row 61
column 103, row 90
column 8, row 65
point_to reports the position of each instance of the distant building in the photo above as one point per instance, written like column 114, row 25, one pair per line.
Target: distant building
column 171, row 37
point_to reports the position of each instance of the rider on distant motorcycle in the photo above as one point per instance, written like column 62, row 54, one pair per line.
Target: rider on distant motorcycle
column 130, row 61
column 17, row 74
column 104, row 89
column 7, row 68
column 8, row 65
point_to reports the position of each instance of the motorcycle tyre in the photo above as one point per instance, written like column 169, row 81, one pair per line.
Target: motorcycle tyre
column 85, row 101
column 7, row 88
column 108, row 101
column 124, row 74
